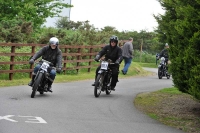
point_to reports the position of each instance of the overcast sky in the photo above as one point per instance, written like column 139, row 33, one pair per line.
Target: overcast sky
column 131, row 15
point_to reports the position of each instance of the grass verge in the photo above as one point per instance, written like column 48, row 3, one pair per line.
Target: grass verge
column 171, row 107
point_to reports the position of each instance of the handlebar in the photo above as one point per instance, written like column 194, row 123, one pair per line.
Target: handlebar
column 109, row 61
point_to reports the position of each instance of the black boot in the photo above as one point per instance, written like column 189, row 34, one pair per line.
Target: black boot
column 32, row 81
column 95, row 80
column 112, row 88
column 93, row 84
column 49, row 86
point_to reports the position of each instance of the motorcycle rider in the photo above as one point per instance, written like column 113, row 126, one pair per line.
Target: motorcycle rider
column 52, row 54
column 114, row 53
column 164, row 53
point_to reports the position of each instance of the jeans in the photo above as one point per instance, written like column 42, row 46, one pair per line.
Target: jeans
column 127, row 63
column 52, row 72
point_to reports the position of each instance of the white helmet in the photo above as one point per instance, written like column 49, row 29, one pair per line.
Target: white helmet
column 54, row 41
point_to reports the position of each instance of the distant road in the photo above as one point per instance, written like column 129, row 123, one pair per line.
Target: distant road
column 72, row 108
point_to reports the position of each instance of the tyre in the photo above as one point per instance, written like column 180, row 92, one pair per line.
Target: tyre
column 168, row 76
column 108, row 89
column 98, row 85
column 36, row 84
column 160, row 73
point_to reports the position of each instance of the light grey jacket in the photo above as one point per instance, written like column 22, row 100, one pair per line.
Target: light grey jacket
column 127, row 50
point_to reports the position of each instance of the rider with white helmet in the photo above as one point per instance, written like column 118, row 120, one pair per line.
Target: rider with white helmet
column 52, row 54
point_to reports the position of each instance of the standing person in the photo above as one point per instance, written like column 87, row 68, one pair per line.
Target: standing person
column 127, row 53
column 52, row 54
column 114, row 53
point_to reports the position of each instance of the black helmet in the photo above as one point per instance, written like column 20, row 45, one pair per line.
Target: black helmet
column 114, row 38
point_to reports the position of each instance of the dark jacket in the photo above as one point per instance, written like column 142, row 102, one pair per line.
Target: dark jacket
column 113, row 53
column 52, row 55
column 164, row 53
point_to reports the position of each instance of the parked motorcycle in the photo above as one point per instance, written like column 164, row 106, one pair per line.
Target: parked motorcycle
column 162, row 69
column 42, row 77
column 104, row 78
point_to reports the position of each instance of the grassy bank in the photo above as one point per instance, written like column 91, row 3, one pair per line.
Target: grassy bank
column 171, row 107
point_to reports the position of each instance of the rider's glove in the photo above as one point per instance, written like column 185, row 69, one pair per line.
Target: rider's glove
column 58, row 70
column 31, row 61
column 97, row 58
column 117, row 62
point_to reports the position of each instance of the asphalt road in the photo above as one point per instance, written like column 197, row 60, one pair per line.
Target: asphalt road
column 72, row 108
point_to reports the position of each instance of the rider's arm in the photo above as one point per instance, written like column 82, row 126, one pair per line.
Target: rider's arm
column 161, row 54
column 39, row 53
column 120, row 57
column 103, row 51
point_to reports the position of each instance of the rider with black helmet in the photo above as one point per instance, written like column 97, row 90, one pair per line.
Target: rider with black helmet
column 52, row 54
column 114, row 53
column 165, row 53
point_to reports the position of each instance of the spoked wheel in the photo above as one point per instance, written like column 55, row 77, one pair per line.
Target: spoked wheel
column 108, row 90
column 160, row 73
column 98, row 85
column 36, row 85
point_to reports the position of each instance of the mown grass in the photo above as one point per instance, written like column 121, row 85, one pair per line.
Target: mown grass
column 150, row 65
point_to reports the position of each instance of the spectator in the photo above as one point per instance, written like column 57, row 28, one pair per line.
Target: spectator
column 127, row 53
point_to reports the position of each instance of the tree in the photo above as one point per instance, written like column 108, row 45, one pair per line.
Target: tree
column 180, row 25
column 35, row 11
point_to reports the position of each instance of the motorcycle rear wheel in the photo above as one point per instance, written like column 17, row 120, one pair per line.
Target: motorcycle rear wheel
column 160, row 73
column 36, row 84
column 168, row 76
column 98, row 85
column 108, row 89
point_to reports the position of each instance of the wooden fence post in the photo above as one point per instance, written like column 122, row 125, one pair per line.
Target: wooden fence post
column 65, row 58
column 91, row 50
column 12, row 58
column 78, row 58
column 32, row 65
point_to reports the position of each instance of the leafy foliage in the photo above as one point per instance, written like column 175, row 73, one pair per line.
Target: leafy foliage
column 180, row 27
column 35, row 11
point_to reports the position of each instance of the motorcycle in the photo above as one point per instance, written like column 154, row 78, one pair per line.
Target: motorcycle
column 42, row 77
column 162, row 69
column 104, row 78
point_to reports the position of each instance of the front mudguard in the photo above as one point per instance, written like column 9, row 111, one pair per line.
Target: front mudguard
column 101, row 71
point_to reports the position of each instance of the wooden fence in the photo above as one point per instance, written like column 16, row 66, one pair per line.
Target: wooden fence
column 79, row 54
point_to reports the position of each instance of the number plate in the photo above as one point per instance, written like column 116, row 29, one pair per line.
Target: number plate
column 104, row 65
column 45, row 66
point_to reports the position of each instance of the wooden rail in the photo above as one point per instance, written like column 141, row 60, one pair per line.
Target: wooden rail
column 79, row 54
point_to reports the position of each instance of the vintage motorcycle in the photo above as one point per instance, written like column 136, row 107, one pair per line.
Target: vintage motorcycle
column 42, row 77
column 162, row 69
column 104, row 78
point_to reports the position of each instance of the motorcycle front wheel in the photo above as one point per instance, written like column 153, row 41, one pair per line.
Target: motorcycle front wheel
column 36, row 84
column 98, row 85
